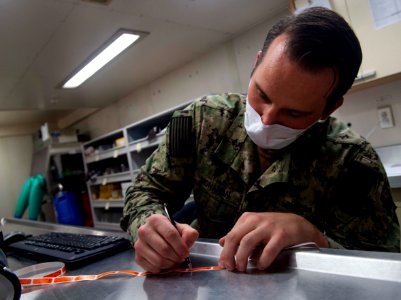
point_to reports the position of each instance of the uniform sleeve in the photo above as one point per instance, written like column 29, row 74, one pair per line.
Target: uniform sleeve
column 362, row 213
column 166, row 177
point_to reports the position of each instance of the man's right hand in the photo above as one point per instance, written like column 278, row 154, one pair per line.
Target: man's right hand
column 160, row 245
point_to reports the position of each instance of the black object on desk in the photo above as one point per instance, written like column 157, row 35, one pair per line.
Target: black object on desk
column 73, row 249
column 10, row 287
column 12, row 237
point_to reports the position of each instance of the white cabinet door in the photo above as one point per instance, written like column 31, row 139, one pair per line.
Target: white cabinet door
column 381, row 47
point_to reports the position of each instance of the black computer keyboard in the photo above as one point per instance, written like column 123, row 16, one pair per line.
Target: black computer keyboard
column 71, row 248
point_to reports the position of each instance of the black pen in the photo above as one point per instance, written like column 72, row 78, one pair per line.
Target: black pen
column 187, row 260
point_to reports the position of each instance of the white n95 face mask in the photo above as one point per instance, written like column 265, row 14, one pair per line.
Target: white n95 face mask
column 273, row 136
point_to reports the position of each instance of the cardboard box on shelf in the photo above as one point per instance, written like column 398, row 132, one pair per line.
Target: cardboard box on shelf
column 119, row 142
column 109, row 191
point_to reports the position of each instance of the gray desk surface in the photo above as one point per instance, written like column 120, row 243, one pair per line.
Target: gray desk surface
column 298, row 274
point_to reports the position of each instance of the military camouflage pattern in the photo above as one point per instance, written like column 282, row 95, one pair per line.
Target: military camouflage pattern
column 331, row 176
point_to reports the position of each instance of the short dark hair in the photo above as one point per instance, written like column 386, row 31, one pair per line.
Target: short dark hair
column 320, row 38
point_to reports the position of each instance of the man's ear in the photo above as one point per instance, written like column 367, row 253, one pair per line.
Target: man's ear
column 329, row 110
column 258, row 55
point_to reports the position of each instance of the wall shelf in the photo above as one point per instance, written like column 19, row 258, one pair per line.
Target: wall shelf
column 111, row 153
column 106, row 204
column 117, row 177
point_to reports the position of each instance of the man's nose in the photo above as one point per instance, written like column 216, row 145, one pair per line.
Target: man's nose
column 269, row 116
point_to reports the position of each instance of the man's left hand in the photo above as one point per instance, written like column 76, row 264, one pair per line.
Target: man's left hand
column 262, row 236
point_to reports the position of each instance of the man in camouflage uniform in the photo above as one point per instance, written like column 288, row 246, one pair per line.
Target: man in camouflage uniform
column 271, row 169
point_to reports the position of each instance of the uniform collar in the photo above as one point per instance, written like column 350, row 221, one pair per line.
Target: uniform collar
column 277, row 172
column 239, row 152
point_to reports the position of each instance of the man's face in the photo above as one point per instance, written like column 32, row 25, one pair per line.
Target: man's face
column 283, row 93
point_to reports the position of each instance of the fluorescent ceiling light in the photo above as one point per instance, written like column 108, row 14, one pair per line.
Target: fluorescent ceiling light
column 119, row 44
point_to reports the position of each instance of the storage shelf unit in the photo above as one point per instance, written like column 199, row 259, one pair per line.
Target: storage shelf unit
column 113, row 160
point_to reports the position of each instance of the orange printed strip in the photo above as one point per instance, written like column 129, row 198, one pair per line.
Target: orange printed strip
column 48, row 279
column 56, row 273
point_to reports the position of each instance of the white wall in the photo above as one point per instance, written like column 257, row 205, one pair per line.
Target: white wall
column 360, row 109
column 15, row 167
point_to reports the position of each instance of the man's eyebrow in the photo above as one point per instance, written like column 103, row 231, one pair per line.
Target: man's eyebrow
column 300, row 112
column 264, row 94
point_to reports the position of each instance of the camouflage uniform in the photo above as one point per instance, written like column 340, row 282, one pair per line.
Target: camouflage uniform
column 330, row 176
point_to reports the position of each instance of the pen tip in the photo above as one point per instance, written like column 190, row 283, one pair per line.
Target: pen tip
column 188, row 263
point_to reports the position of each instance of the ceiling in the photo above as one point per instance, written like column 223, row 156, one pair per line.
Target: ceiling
column 43, row 41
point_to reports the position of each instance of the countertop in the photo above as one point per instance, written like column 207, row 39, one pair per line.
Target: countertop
column 299, row 273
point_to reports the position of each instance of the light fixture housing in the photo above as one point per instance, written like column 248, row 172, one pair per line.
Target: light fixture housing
column 119, row 42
